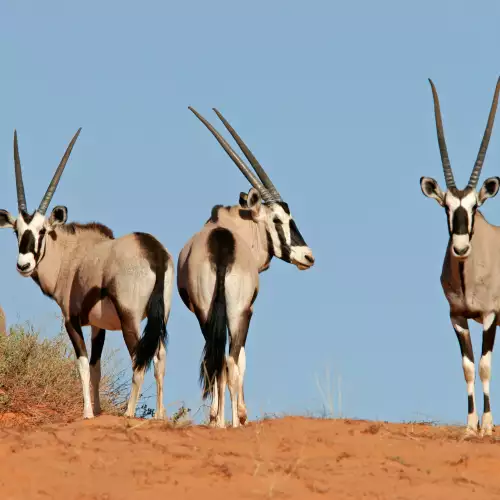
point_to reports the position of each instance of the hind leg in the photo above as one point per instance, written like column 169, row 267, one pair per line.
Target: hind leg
column 159, row 361
column 239, row 321
column 159, row 369
column 98, row 337
column 214, row 407
column 489, row 330
column 221, row 393
column 242, row 364
column 242, row 408
column 131, row 328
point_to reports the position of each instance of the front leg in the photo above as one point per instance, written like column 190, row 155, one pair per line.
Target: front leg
column 98, row 337
column 489, row 330
column 461, row 328
column 75, row 333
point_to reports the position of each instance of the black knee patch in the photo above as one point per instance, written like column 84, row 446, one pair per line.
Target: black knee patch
column 470, row 399
column 487, row 408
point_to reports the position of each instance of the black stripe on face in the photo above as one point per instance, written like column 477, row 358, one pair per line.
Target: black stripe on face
column 27, row 243
column 27, row 217
column 447, row 210
column 285, row 249
column 296, row 238
column 284, row 206
column 41, row 236
column 270, row 247
column 460, row 221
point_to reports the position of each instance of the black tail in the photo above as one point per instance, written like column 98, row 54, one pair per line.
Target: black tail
column 156, row 328
column 221, row 247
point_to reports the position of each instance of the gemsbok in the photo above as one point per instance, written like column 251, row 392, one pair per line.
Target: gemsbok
column 97, row 280
column 470, row 277
column 218, row 275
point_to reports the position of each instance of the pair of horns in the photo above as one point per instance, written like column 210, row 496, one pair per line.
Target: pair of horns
column 262, row 183
column 445, row 160
column 21, row 197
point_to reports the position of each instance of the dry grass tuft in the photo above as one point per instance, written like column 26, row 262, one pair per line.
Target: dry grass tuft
column 39, row 382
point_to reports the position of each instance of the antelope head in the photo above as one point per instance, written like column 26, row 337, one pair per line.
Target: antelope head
column 31, row 228
column 265, row 202
column 461, row 204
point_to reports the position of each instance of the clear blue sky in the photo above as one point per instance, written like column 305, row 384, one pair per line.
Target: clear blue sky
column 333, row 99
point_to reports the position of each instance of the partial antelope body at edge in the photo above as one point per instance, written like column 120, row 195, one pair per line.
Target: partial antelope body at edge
column 98, row 280
column 470, row 275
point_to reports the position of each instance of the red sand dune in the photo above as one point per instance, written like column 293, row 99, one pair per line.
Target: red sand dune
column 112, row 458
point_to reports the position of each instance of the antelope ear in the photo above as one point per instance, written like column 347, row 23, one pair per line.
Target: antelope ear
column 243, row 200
column 254, row 201
column 431, row 189
column 58, row 216
column 489, row 189
column 6, row 219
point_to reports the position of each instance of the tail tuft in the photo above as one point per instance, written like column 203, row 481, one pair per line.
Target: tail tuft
column 221, row 246
column 215, row 332
column 155, row 331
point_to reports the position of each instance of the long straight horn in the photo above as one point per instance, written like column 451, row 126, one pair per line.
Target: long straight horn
column 251, row 158
column 44, row 204
column 448, row 174
column 236, row 159
column 21, row 197
column 476, row 171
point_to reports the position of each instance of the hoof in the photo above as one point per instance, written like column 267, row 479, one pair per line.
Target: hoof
column 487, row 430
column 215, row 424
column 487, row 425
column 160, row 415
column 470, row 432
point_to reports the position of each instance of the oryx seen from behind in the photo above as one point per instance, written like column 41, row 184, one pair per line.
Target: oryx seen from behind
column 471, row 270
column 97, row 280
column 218, row 275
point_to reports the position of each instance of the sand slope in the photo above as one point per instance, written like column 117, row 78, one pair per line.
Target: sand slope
column 112, row 458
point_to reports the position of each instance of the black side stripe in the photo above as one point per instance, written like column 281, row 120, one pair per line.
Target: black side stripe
column 285, row 249
column 462, row 276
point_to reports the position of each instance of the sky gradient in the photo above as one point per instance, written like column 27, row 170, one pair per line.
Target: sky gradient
column 333, row 99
